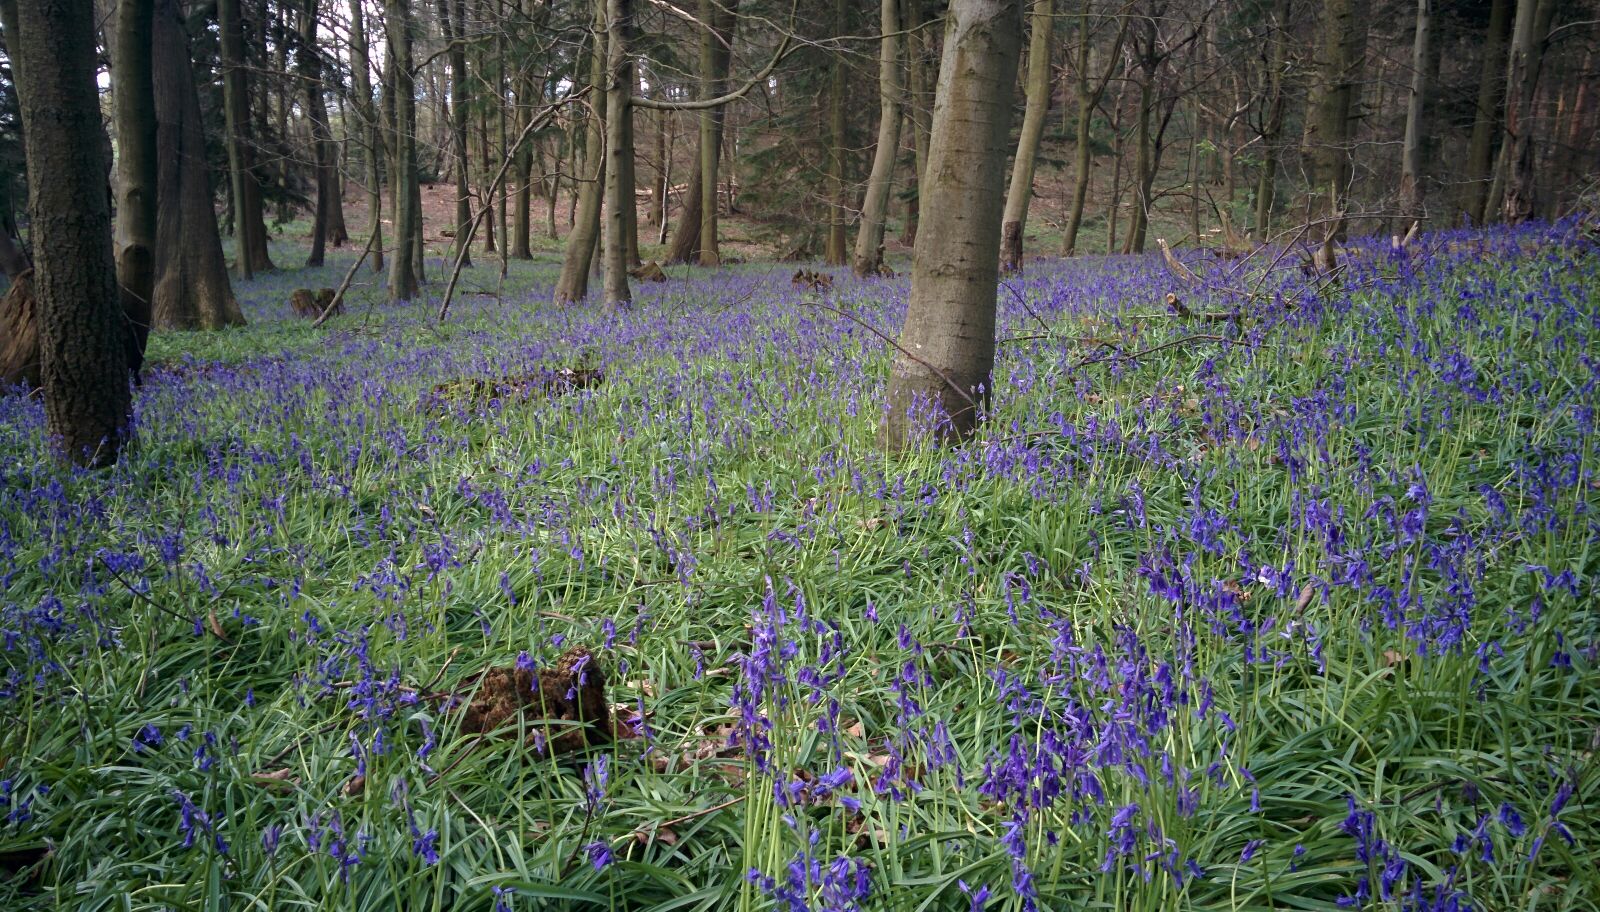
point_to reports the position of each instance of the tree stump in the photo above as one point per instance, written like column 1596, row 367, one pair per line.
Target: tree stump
column 565, row 706
column 311, row 304
column 19, row 334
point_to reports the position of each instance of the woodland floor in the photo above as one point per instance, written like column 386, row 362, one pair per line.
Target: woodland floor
column 1292, row 611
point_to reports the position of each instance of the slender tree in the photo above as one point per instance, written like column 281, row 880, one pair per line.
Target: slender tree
column 1089, row 92
column 82, row 359
column 133, row 89
column 1272, row 122
column 1486, row 116
column 839, row 211
column 717, row 42
column 1411, row 149
column 1043, row 22
column 369, row 127
column 249, row 225
column 945, row 356
column 619, row 149
column 403, row 273
column 1330, row 119
column 453, row 24
column 573, row 284
column 875, row 208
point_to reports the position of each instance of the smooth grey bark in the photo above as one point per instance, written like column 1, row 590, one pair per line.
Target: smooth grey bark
column 945, row 356
column 371, row 131
column 834, row 252
column 918, row 40
column 1411, row 148
column 133, row 89
column 82, row 359
column 1020, row 193
column 1272, row 128
column 1329, row 120
column 573, row 285
column 403, row 271
column 619, row 151
column 687, row 245
column 249, row 222
column 191, row 289
column 875, row 208
column 1089, row 95
column 454, row 26
column 1515, row 189
column 1487, row 113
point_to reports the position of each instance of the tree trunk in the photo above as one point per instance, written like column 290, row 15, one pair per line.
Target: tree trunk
column 688, row 244
column 875, row 208
column 310, row 65
column 573, row 286
column 368, row 128
column 82, row 357
column 455, row 34
column 367, row 114
column 403, row 176
column 1328, row 123
column 134, row 93
column 619, row 150
column 1020, row 193
column 1088, row 99
column 249, row 225
column 918, row 40
column 945, row 356
column 1411, row 150
column 838, row 217
column 1486, row 122
column 191, row 275
column 1522, row 84
column 1272, row 129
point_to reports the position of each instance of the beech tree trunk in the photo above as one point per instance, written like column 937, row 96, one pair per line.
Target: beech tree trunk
column 1486, row 120
column 1522, row 84
column 191, row 275
column 1272, row 129
column 249, row 223
column 403, row 175
column 455, row 33
column 875, row 208
column 134, row 91
column 573, row 285
column 370, row 129
column 688, row 244
column 834, row 252
column 1328, row 123
column 82, row 359
column 918, row 40
column 322, row 152
column 1020, row 193
column 619, row 150
column 945, row 357
column 1089, row 96
column 1411, row 149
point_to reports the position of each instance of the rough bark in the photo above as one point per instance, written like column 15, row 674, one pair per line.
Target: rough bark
column 1411, row 148
column 83, row 364
column 191, row 290
column 875, row 207
column 619, row 151
column 1020, row 193
column 249, row 224
column 835, row 251
column 309, row 61
column 134, row 93
column 573, row 285
column 945, row 356
column 403, row 174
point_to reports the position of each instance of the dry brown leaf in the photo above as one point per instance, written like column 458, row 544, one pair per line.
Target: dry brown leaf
column 1306, row 594
column 355, row 786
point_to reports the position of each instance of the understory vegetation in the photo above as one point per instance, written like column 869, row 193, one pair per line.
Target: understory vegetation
column 1290, row 611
